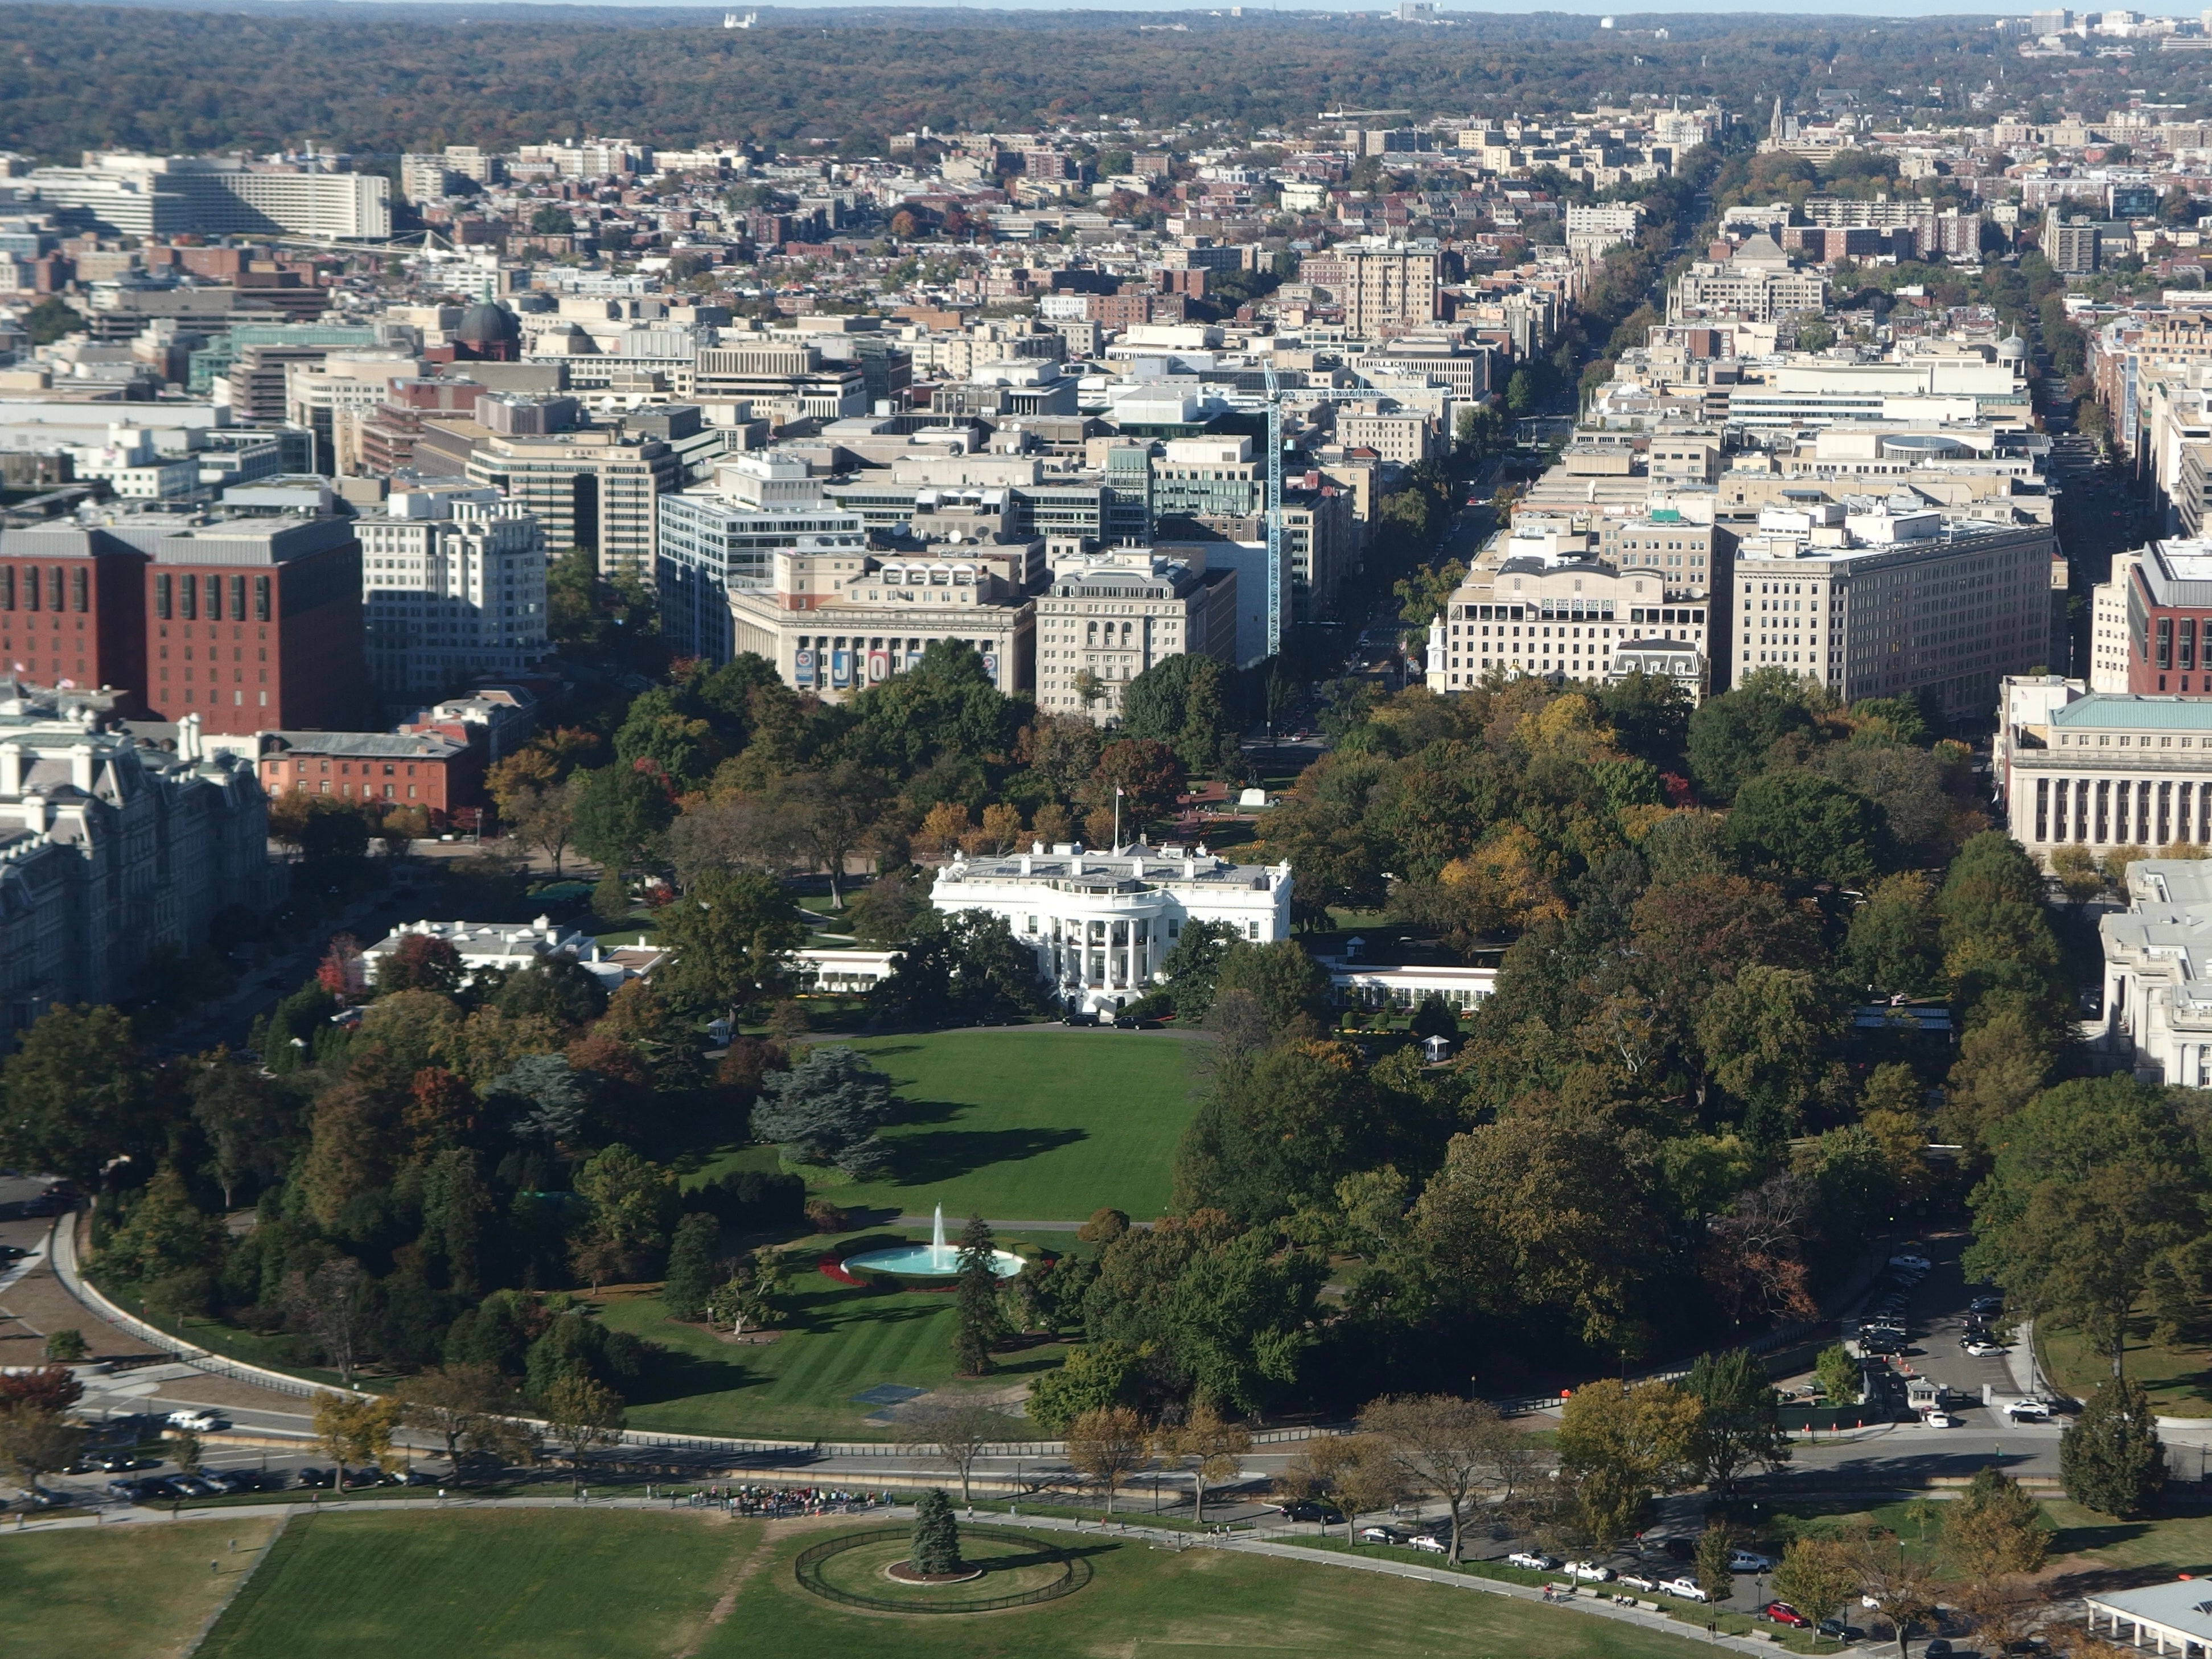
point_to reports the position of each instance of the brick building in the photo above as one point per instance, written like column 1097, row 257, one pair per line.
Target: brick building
column 440, row 773
column 248, row 623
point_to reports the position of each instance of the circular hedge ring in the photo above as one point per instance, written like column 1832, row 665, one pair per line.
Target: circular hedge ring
column 1074, row 1572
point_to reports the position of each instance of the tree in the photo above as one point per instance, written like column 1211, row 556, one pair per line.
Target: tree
column 634, row 1204
column 35, row 1440
column 1767, row 1036
column 1993, row 1530
column 692, row 1266
column 1360, row 1472
column 957, row 1432
column 1434, row 1017
column 334, row 1305
column 582, row 1414
column 1839, row 1373
column 465, row 1405
column 1738, row 1425
column 967, row 967
column 1716, row 1548
column 1143, row 776
column 826, row 1109
column 1090, row 1378
column 1207, row 1444
column 621, row 814
column 1804, row 823
column 1817, row 1577
column 1730, row 735
column 2110, row 1459
column 355, row 1431
column 1183, row 701
column 935, row 1551
column 976, row 1295
column 1618, row 1444
column 1444, row 1445
column 1193, row 968
column 729, row 932
column 75, row 1096
column 832, row 813
column 1109, row 1444
column 420, row 963
column 1903, row 1587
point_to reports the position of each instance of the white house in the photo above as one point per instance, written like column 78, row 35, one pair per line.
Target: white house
column 1102, row 923
column 2158, row 1007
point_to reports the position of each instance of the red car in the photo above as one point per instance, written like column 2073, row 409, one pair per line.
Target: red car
column 1782, row 1612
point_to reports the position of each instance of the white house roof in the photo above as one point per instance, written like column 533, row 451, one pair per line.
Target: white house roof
column 2184, row 1608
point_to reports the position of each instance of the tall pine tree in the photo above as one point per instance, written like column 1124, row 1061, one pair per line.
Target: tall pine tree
column 936, row 1547
column 2112, row 1460
column 979, row 1325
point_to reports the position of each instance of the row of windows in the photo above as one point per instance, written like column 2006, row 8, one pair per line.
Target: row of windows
column 185, row 596
column 77, row 582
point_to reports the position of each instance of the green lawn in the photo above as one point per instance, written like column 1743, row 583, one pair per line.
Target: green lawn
column 135, row 1594
column 1039, row 1125
column 546, row 1583
column 839, row 1340
column 2177, row 1380
column 543, row 1584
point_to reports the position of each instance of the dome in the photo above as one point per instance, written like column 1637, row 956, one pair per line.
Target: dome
column 485, row 323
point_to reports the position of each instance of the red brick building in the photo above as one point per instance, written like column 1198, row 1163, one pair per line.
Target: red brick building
column 439, row 774
column 2170, row 619
column 252, row 624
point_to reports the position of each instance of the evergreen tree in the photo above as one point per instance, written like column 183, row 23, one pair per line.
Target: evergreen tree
column 979, row 1325
column 692, row 1266
column 2112, row 1460
column 936, row 1535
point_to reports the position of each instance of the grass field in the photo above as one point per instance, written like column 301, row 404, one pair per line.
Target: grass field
column 839, row 1340
column 551, row 1583
column 141, row 1594
column 1037, row 1125
column 2177, row 1380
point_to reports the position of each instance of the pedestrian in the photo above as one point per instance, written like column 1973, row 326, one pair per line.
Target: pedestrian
column 214, row 1568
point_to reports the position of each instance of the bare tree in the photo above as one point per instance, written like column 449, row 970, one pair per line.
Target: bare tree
column 1902, row 1586
column 332, row 1305
column 831, row 814
column 1207, row 1445
column 958, row 1431
column 1109, row 1443
column 1445, row 1446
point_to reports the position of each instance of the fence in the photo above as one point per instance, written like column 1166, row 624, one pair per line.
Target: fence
column 1074, row 1574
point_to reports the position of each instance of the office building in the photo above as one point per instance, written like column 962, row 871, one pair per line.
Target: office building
column 717, row 538
column 2101, row 769
column 1389, row 287
column 1562, row 612
column 1887, row 600
column 1101, row 923
column 452, row 588
column 440, row 775
column 595, row 490
column 1108, row 616
column 165, row 196
column 838, row 620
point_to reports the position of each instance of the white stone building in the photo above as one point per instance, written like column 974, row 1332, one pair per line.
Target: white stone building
column 512, row 947
column 2158, row 972
column 2102, row 770
column 1113, row 615
column 452, row 585
column 1102, row 923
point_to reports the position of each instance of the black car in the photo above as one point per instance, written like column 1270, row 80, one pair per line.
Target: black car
column 12, row 1253
column 237, row 1480
column 1327, row 1515
column 312, row 1476
column 1837, row 1631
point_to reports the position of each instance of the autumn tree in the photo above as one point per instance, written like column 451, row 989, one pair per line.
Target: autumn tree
column 1207, row 1445
column 1618, row 1444
column 1109, row 1444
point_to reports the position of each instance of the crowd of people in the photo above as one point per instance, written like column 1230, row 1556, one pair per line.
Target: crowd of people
column 781, row 1502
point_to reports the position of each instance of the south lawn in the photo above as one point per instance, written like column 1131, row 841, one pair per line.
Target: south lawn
column 551, row 1583
column 1038, row 1124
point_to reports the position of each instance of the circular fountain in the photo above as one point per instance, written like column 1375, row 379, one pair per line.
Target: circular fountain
column 936, row 1260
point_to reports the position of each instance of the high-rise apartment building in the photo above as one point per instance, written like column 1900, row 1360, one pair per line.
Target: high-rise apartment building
column 1390, row 288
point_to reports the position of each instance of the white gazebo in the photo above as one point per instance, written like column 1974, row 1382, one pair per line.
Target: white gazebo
column 2174, row 1618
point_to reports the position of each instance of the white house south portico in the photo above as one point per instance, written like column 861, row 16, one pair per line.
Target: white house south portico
column 1102, row 923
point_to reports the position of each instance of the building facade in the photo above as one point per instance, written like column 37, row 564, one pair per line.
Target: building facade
column 2102, row 770
column 440, row 775
column 164, row 196
column 715, row 539
column 597, row 491
column 1100, row 924
column 112, row 850
column 452, row 587
column 1108, row 616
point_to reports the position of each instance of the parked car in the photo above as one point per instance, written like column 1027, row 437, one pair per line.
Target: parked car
column 1781, row 1612
column 1380, row 1535
column 1984, row 1350
column 2028, row 1411
column 1327, row 1515
column 1751, row 1561
column 1912, row 1262
column 1636, row 1581
column 194, row 1486
column 198, row 1420
column 1939, row 1648
column 1428, row 1544
column 1684, row 1590
column 1837, row 1631
column 1984, row 1306
column 1531, row 1561
column 1590, row 1572
column 1940, row 1420
column 12, row 1253
column 312, row 1476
